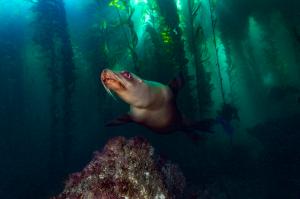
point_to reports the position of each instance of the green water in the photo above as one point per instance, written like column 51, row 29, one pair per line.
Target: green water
column 245, row 54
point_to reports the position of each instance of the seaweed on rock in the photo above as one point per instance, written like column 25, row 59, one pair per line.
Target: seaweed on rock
column 126, row 169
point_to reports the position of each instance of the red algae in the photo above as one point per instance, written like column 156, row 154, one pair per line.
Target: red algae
column 125, row 169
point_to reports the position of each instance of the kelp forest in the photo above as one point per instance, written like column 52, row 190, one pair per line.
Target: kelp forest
column 238, row 62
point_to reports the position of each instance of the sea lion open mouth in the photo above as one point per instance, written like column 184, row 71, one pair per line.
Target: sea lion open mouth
column 111, row 80
column 108, row 80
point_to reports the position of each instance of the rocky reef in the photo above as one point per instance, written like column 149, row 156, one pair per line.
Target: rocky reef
column 126, row 168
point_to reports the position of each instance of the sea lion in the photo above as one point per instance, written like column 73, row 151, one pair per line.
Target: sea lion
column 152, row 104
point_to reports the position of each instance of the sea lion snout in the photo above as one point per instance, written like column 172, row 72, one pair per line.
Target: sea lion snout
column 105, row 74
column 111, row 81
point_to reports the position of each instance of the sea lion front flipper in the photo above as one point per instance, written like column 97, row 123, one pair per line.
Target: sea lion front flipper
column 122, row 119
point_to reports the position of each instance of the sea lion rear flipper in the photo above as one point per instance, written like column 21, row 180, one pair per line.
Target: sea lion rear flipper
column 177, row 83
column 122, row 119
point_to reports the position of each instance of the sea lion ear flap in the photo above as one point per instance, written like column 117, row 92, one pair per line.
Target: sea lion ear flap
column 177, row 83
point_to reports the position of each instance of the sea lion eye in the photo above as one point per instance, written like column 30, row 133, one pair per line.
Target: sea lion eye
column 126, row 74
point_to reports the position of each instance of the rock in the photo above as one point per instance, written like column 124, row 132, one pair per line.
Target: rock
column 125, row 169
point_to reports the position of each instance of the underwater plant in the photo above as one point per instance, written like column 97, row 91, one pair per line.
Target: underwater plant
column 197, row 49
column 51, row 35
column 213, row 26
column 126, row 169
column 125, row 12
column 169, row 48
column 231, row 70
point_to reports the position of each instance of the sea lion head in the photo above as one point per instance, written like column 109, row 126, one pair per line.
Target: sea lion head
column 128, row 86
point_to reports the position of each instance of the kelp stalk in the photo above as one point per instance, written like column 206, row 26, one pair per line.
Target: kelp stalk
column 213, row 26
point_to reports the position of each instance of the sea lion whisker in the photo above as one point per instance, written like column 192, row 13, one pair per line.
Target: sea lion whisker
column 108, row 90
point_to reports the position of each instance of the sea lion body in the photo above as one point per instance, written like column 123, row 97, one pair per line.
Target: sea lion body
column 162, row 114
column 152, row 104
